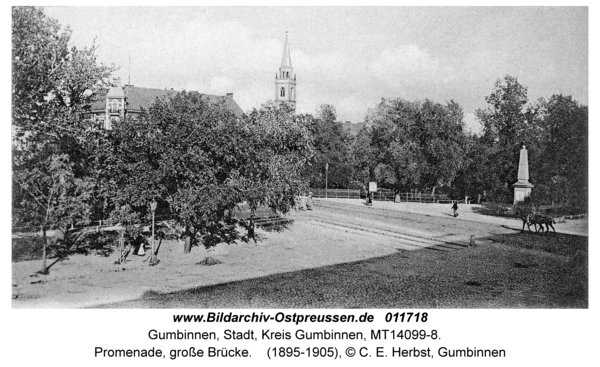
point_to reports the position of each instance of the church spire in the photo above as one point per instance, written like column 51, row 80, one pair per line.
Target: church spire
column 285, row 79
column 286, row 60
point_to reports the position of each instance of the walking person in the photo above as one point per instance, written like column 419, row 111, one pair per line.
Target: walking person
column 455, row 208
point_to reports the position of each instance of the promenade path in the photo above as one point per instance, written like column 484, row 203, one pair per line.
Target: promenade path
column 337, row 232
column 467, row 212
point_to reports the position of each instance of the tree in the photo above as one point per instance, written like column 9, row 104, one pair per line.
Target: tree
column 476, row 177
column 560, row 168
column 412, row 145
column 54, row 197
column 51, row 87
column 201, row 162
column 509, row 121
column 555, row 133
column 332, row 145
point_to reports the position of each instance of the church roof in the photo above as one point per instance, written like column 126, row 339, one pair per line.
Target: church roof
column 138, row 98
column 286, row 60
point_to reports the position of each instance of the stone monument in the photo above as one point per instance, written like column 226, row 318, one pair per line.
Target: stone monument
column 522, row 186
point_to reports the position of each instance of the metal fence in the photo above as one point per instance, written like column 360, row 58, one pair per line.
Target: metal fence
column 336, row 193
column 380, row 195
column 420, row 197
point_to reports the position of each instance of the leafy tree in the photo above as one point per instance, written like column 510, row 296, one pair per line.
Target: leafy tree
column 560, row 169
column 362, row 154
column 51, row 86
column 331, row 144
column 277, row 149
column 509, row 121
column 555, row 133
column 201, row 162
column 413, row 144
column 477, row 177
column 53, row 196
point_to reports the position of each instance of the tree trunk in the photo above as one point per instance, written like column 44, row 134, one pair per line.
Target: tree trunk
column 433, row 192
column 251, row 233
column 158, row 247
column 44, row 269
column 187, row 247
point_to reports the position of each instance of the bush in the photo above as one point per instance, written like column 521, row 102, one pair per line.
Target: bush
column 500, row 194
column 98, row 243
column 27, row 248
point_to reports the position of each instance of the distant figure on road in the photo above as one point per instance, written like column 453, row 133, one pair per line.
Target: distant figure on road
column 297, row 204
column 301, row 202
column 309, row 201
column 455, row 208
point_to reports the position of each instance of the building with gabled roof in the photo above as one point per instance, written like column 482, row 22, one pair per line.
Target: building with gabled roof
column 118, row 101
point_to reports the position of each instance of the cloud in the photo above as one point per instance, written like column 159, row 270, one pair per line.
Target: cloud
column 410, row 64
column 213, row 56
column 352, row 62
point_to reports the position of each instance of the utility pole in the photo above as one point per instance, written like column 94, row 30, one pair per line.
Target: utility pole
column 326, row 172
column 153, row 254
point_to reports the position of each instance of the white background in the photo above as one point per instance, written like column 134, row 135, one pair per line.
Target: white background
column 530, row 337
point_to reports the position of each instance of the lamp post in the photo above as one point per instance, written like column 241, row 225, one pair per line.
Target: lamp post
column 326, row 172
column 153, row 254
column 122, row 240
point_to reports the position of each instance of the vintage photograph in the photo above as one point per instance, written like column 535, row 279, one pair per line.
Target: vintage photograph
column 300, row 157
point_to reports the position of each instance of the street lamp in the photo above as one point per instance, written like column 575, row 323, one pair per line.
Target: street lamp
column 326, row 172
column 122, row 240
column 153, row 254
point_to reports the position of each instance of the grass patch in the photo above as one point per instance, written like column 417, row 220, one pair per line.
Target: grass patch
column 27, row 248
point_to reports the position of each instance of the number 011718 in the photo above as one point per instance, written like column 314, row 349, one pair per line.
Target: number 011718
column 406, row 317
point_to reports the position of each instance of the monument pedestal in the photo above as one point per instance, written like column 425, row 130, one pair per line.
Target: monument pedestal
column 522, row 191
column 522, row 186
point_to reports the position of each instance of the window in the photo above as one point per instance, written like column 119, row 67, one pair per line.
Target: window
column 114, row 106
column 292, row 93
column 282, row 94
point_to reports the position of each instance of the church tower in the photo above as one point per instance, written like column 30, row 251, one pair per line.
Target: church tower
column 285, row 79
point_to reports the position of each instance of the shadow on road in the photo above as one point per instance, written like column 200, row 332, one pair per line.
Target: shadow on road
column 496, row 273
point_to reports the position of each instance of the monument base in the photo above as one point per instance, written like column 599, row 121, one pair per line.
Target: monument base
column 521, row 193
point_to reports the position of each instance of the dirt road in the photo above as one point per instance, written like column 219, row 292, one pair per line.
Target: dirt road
column 339, row 255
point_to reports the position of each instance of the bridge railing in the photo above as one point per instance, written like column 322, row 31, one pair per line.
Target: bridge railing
column 336, row 193
column 381, row 195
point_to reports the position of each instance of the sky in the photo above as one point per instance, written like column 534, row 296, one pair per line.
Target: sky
column 349, row 57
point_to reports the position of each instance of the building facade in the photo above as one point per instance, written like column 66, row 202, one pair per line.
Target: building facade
column 113, row 105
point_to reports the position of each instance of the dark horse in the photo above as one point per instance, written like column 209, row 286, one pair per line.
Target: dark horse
column 527, row 219
column 526, row 214
column 541, row 220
